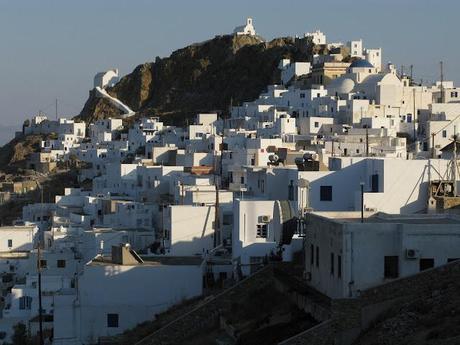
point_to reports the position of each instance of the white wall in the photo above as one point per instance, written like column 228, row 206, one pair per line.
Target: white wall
column 135, row 293
column 190, row 229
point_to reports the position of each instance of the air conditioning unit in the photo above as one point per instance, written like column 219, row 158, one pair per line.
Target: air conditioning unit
column 265, row 219
column 412, row 254
column 307, row 276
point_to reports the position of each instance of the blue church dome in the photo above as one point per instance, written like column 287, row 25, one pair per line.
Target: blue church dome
column 361, row 64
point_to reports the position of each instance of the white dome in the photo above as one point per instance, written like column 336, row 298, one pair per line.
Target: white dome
column 340, row 85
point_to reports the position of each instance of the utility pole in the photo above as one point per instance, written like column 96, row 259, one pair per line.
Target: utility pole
column 432, row 145
column 362, row 202
column 367, row 142
column 216, row 216
column 413, row 116
column 411, row 73
column 39, row 270
column 56, row 109
column 454, row 163
column 442, row 81
column 40, row 309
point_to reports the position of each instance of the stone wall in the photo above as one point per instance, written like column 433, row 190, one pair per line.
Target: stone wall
column 322, row 334
column 350, row 317
column 207, row 315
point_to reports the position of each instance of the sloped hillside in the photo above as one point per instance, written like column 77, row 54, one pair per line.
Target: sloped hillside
column 201, row 77
column 14, row 153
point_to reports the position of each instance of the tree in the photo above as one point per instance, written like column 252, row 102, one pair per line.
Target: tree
column 20, row 336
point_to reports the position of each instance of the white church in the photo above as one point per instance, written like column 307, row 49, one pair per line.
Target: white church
column 247, row 29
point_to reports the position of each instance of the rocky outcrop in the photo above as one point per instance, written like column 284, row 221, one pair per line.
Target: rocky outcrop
column 14, row 154
column 201, row 77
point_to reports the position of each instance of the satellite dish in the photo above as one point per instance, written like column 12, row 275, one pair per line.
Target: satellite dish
column 284, row 222
column 273, row 158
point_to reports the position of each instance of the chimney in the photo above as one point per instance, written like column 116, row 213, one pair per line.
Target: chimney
column 124, row 255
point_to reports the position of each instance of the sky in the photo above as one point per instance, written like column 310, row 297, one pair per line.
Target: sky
column 51, row 49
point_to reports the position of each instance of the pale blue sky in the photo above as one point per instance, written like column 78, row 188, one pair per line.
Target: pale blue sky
column 52, row 49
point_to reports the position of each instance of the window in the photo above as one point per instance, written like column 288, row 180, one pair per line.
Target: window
column 61, row 263
column 426, row 263
column 10, row 243
column 112, row 320
column 316, row 124
column 302, row 95
column 375, row 183
column 291, row 190
column 25, row 302
column 325, row 193
column 43, row 263
column 444, row 134
column 312, row 255
column 317, row 256
column 242, row 179
column 391, row 267
column 262, row 230
column 339, row 266
column 332, row 263
column 227, row 219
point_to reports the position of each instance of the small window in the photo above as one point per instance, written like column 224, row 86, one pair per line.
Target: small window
column 426, row 263
column 316, row 124
column 43, row 263
column 112, row 320
column 312, row 255
column 61, row 263
column 302, row 95
column 332, row 263
column 291, row 190
column 242, row 179
column 391, row 267
column 339, row 266
column 25, row 303
column 262, row 230
column 317, row 256
column 10, row 243
column 325, row 193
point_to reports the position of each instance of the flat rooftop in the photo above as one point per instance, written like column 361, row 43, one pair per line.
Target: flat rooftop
column 153, row 261
column 380, row 217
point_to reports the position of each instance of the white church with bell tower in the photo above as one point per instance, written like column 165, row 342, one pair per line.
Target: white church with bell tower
column 247, row 29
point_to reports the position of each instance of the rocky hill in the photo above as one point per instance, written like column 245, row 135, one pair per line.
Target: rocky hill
column 14, row 153
column 201, row 77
